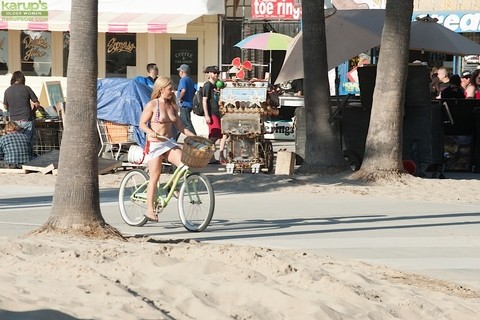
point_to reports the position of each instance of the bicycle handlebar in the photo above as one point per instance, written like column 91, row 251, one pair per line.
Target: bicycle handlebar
column 159, row 136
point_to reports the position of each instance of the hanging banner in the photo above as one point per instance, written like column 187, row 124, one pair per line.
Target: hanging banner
column 277, row 9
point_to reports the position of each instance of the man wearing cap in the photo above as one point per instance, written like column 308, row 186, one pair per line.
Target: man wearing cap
column 212, row 110
column 185, row 93
column 465, row 79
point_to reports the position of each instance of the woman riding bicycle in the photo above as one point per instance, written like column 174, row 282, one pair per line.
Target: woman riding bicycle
column 157, row 119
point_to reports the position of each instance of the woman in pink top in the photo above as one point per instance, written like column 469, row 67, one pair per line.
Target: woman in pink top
column 158, row 117
column 473, row 88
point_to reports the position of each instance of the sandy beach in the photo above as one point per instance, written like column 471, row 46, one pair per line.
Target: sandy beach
column 150, row 278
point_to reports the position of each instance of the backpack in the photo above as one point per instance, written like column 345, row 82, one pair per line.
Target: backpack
column 198, row 102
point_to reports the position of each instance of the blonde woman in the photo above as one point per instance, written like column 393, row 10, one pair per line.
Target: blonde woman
column 158, row 117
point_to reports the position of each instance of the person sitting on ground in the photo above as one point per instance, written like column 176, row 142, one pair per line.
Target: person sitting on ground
column 158, row 117
column 15, row 147
column 454, row 90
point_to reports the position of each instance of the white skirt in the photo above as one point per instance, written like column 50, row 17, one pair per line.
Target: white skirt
column 159, row 148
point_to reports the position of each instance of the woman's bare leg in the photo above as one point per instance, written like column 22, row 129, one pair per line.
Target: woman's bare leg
column 174, row 156
column 155, row 169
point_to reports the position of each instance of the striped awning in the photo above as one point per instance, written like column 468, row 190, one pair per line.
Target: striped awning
column 131, row 16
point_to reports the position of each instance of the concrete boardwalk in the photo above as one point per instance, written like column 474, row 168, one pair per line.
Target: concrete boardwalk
column 438, row 240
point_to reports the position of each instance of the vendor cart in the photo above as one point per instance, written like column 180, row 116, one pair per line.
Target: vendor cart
column 243, row 105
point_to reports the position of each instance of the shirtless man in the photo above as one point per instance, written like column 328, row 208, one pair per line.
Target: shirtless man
column 157, row 119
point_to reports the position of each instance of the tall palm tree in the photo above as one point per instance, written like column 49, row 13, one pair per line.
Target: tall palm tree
column 322, row 147
column 383, row 149
column 76, row 201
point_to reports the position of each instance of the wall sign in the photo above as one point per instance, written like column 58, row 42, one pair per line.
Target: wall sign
column 184, row 51
column 457, row 21
column 121, row 52
column 3, row 52
column 35, row 51
column 277, row 9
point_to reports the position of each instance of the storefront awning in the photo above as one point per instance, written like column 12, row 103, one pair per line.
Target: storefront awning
column 132, row 16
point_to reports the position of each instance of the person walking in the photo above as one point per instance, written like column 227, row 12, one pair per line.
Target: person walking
column 212, row 111
column 21, row 103
column 15, row 148
column 185, row 94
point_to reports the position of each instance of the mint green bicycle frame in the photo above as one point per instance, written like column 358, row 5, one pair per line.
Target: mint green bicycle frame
column 140, row 195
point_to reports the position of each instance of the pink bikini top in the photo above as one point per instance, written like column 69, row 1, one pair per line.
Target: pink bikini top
column 156, row 119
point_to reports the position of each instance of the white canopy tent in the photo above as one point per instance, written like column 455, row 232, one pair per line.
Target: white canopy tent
column 121, row 16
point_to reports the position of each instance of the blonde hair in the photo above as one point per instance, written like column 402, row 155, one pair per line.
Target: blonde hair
column 11, row 126
column 161, row 83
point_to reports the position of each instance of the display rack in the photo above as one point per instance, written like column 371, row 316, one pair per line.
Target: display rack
column 243, row 105
column 48, row 135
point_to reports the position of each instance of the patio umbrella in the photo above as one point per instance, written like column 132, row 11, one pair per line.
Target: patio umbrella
column 363, row 31
column 428, row 35
column 266, row 41
column 348, row 33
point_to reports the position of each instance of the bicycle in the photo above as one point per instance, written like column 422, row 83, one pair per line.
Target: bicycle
column 196, row 197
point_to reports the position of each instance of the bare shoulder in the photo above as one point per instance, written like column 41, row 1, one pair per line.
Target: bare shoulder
column 151, row 105
column 470, row 88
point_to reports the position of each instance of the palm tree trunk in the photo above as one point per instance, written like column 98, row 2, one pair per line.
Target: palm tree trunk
column 383, row 149
column 76, row 203
column 322, row 147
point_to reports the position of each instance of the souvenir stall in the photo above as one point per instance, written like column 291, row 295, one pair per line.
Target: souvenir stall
column 243, row 105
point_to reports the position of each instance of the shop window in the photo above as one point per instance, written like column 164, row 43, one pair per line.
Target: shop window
column 36, row 53
column 66, row 51
column 3, row 52
column 121, row 53
column 184, row 51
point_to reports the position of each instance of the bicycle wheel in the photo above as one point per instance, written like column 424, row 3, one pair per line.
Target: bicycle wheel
column 196, row 202
column 132, row 210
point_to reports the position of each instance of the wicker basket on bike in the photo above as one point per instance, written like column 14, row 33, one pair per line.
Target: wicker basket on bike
column 197, row 151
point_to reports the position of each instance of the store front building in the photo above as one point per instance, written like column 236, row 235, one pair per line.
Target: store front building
column 34, row 38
